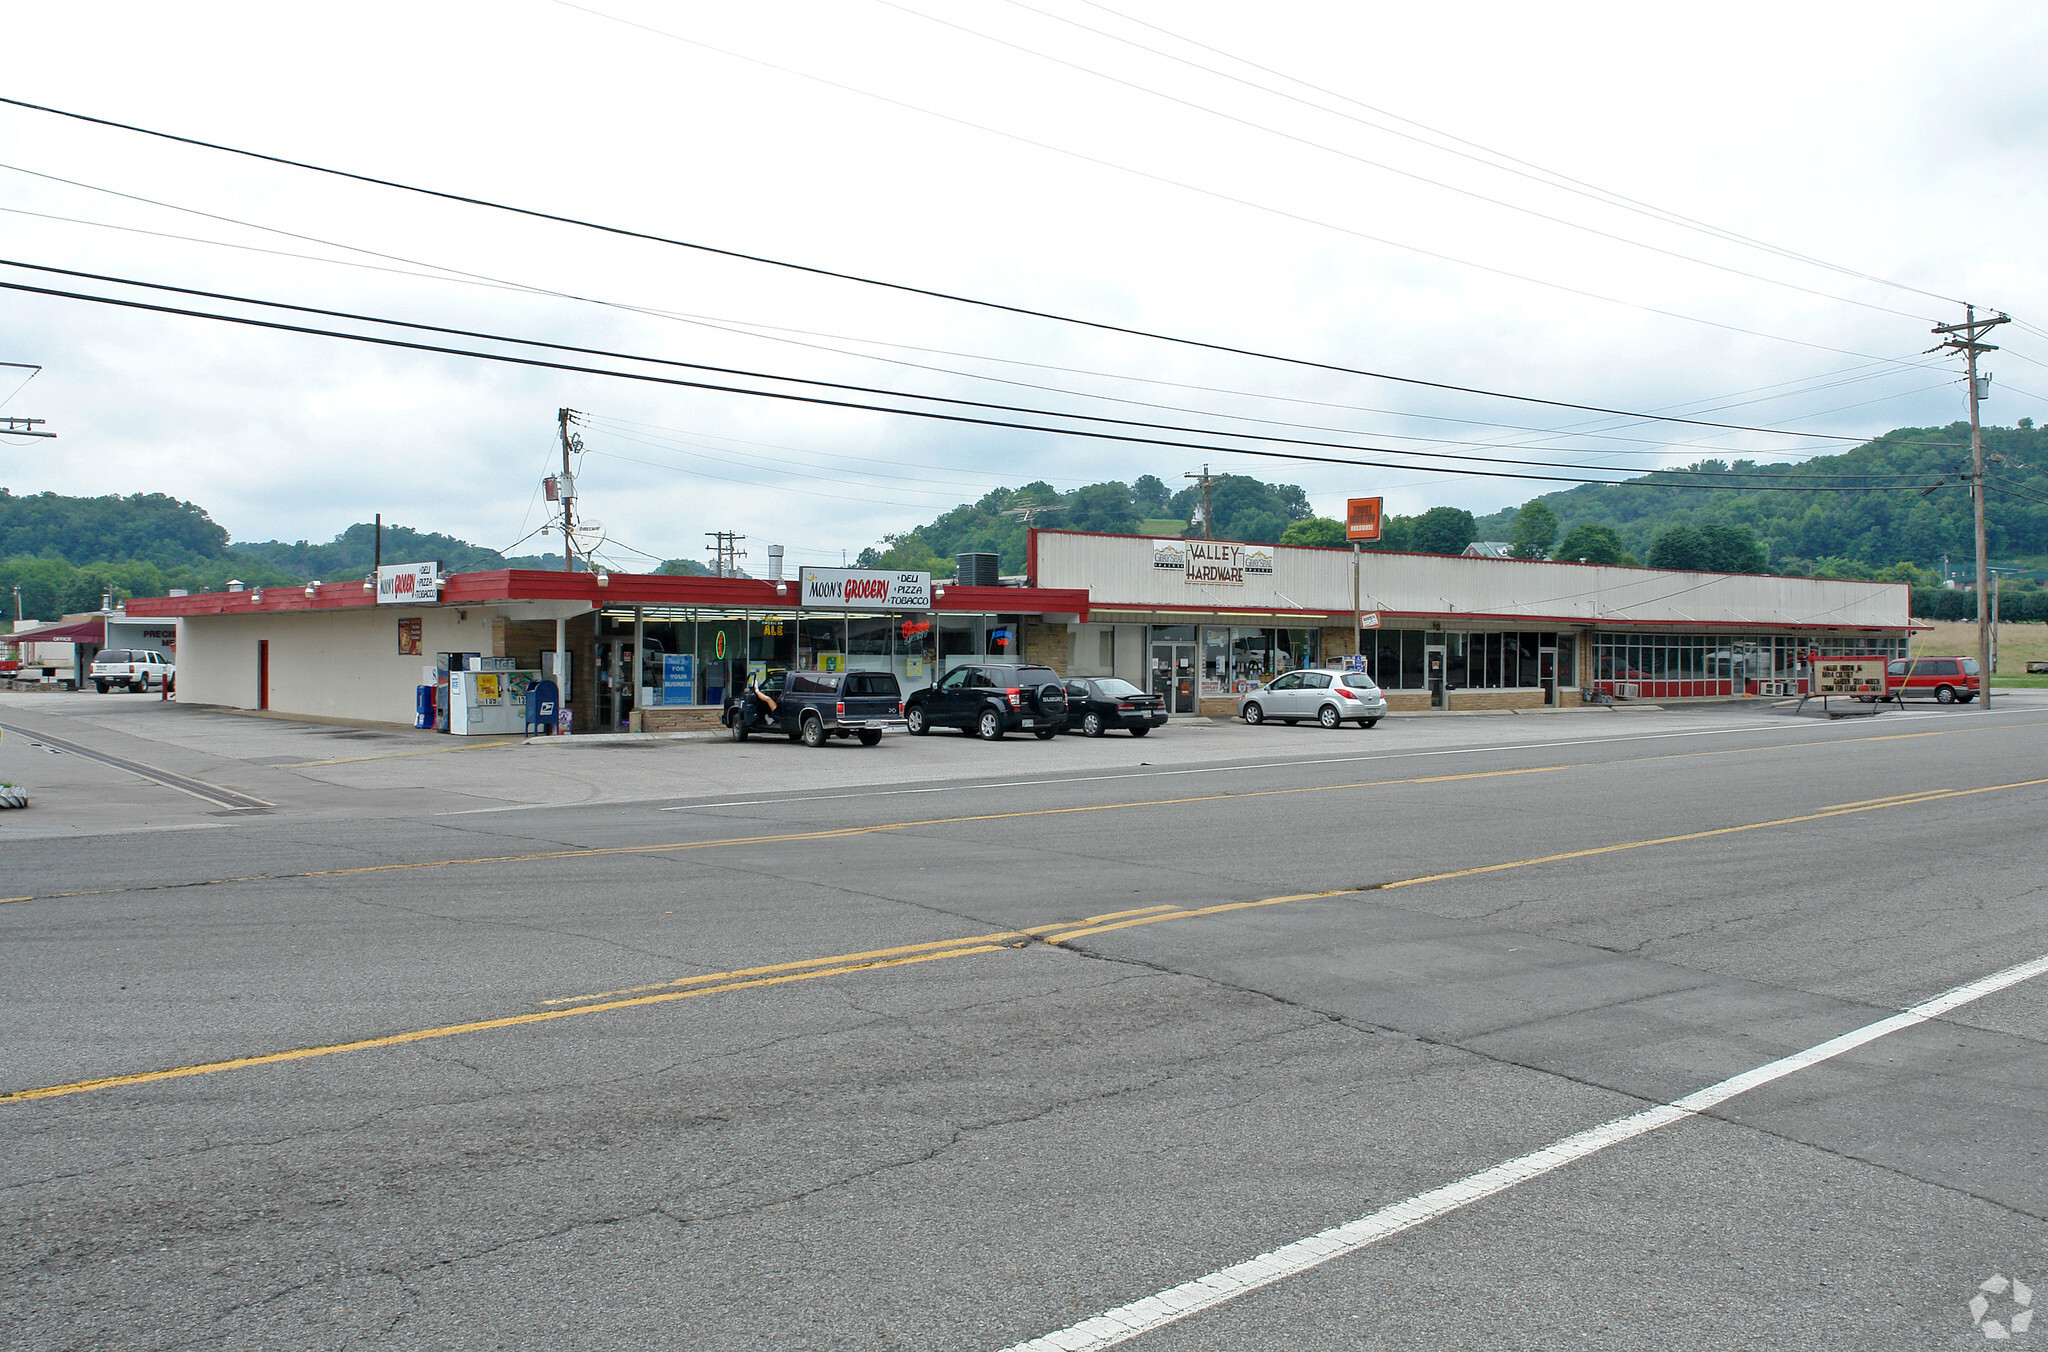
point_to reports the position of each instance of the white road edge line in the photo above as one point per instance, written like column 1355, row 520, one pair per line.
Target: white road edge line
column 1128, row 1321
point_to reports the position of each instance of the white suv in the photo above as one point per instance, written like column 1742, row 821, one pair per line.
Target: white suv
column 131, row 668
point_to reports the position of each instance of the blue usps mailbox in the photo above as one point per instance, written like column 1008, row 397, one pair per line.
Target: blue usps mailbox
column 543, row 707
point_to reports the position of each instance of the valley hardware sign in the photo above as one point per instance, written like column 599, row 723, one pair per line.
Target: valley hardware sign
column 1212, row 563
column 408, row 583
column 857, row 589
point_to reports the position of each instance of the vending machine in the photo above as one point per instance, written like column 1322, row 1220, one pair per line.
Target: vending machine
column 482, row 703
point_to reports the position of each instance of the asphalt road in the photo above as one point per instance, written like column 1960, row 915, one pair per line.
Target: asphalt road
column 953, row 1046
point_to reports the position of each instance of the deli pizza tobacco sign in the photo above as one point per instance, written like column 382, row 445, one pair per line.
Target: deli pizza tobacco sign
column 859, row 589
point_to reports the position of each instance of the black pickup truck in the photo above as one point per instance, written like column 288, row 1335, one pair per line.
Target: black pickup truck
column 811, row 706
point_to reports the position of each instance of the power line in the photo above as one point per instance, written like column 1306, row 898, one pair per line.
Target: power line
column 1376, row 164
column 1547, row 177
column 907, row 289
column 763, row 375
column 774, row 333
column 930, row 414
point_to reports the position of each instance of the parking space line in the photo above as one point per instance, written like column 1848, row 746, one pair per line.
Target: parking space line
column 1226, row 1284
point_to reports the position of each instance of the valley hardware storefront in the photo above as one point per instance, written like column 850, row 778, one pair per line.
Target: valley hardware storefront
column 1202, row 622
column 359, row 652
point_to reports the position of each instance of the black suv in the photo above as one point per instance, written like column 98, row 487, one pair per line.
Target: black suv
column 989, row 700
column 815, row 705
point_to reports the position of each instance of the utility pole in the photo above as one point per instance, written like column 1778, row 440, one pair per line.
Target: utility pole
column 23, row 427
column 570, row 442
column 1964, row 338
column 726, row 552
column 377, row 549
column 1208, row 519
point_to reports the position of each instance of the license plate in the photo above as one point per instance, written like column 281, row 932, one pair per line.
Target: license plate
column 1027, row 722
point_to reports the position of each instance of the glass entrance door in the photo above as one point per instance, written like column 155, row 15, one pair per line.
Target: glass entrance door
column 1173, row 676
column 1433, row 668
column 1546, row 673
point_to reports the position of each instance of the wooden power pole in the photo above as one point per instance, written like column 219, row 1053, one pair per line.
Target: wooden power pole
column 1206, row 479
column 1964, row 338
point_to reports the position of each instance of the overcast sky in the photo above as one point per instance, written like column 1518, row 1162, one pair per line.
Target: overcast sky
column 1052, row 154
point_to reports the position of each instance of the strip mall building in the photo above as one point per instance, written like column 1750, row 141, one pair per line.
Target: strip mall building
column 1198, row 622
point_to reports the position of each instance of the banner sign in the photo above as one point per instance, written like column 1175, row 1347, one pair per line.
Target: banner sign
column 1216, row 563
column 678, row 678
column 1849, row 676
column 1362, row 518
column 858, row 589
column 1212, row 563
column 408, row 583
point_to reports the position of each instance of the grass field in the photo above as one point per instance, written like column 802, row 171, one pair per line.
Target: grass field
column 2018, row 644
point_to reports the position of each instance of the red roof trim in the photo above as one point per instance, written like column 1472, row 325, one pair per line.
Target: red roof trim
column 621, row 589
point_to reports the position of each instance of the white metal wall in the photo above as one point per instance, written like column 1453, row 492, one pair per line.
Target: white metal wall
column 1118, row 572
column 327, row 663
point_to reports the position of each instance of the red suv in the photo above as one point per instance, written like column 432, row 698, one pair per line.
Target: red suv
column 1948, row 679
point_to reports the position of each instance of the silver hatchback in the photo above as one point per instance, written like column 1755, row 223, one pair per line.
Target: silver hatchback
column 1331, row 698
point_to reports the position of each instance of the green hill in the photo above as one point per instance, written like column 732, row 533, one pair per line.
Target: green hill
column 1885, row 521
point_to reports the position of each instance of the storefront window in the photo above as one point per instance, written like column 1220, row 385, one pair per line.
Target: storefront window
column 867, row 642
column 1411, row 661
column 1005, row 639
column 959, row 640
column 772, row 642
column 821, row 644
column 1094, row 651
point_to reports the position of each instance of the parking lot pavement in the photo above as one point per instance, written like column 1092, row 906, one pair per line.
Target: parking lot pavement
column 324, row 770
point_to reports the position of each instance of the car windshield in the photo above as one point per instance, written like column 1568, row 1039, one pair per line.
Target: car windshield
column 1116, row 688
column 1359, row 681
column 1036, row 675
column 114, row 655
column 1969, row 666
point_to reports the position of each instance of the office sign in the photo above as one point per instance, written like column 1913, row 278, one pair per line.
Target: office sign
column 408, row 583
column 1362, row 518
column 860, row 589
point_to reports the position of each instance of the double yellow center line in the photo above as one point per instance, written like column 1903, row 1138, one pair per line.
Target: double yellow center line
column 843, row 964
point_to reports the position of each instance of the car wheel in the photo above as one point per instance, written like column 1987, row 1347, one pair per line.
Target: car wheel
column 1945, row 694
column 100, row 686
column 1253, row 714
column 1329, row 717
column 870, row 738
column 990, row 726
column 914, row 719
column 1139, row 732
column 1368, row 722
column 1091, row 724
column 738, row 726
column 813, row 731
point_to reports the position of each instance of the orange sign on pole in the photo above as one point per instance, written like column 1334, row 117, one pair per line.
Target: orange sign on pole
column 1362, row 521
